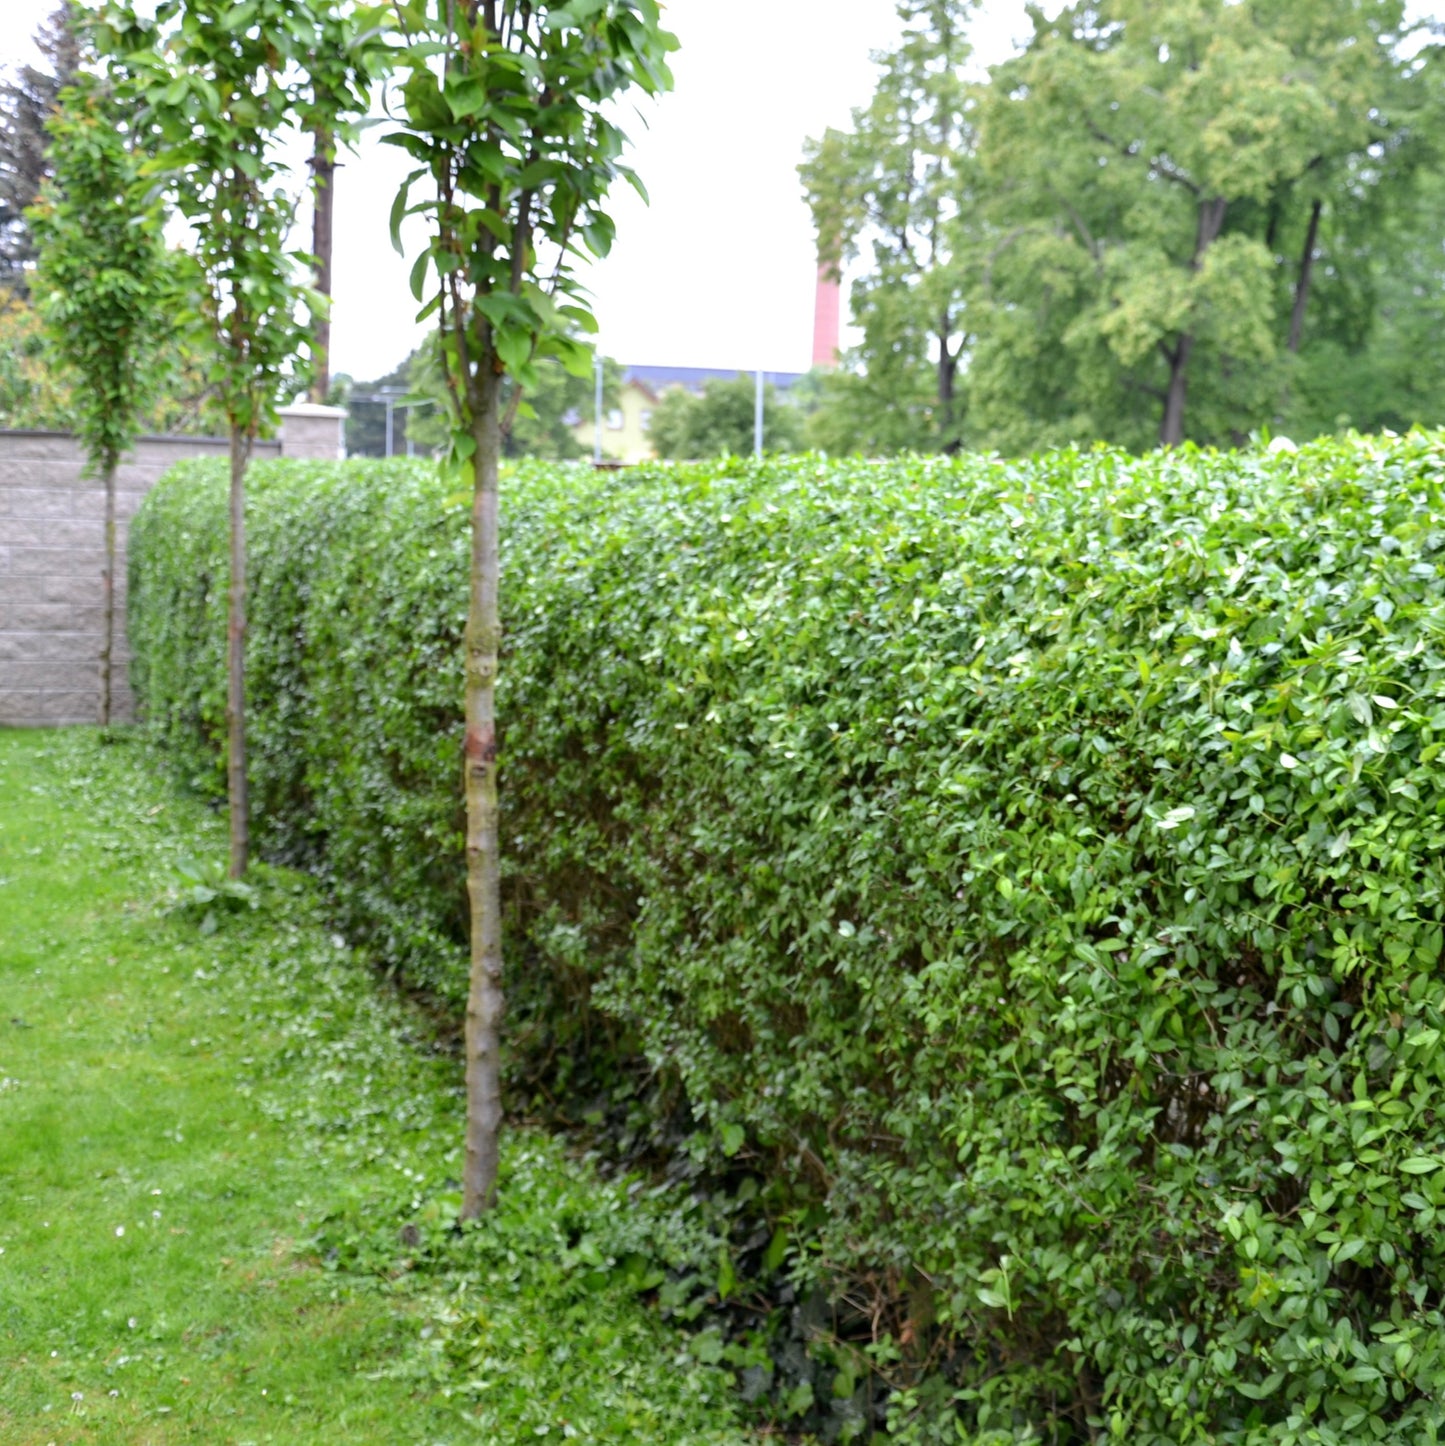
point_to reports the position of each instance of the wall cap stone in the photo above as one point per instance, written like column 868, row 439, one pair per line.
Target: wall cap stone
column 313, row 409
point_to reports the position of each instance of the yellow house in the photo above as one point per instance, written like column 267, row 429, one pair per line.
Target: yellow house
column 624, row 427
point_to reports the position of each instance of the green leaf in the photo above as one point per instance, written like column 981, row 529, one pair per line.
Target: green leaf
column 727, row 1280
column 399, row 209
column 1262, row 1390
column 776, row 1252
column 1175, row 817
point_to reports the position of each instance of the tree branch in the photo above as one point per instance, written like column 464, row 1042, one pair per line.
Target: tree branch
column 1157, row 162
column 1085, row 235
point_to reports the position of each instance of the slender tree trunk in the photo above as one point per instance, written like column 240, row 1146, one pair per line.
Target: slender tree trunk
column 107, row 642
column 1306, row 276
column 323, row 168
column 947, row 366
column 947, row 382
column 485, row 1000
column 236, row 663
column 1272, row 230
column 1171, row 428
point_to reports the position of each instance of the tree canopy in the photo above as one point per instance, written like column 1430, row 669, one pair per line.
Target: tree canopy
column 104, row 276
column 1160, row 221
column 723, row 419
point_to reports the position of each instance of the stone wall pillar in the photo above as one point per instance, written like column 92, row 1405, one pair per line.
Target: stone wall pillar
column 314, row 432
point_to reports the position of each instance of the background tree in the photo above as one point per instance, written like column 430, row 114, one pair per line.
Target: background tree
column 102, row 282
column 723, row 419
column 512, row 130
column 872, row 405
column 219, row 83
column 366, row 411
column 1372, row 357
column 1164, row 219
column 32, row 393
column 899, row 185
column 1164, row 170
column 27, row 101
column 36, row 391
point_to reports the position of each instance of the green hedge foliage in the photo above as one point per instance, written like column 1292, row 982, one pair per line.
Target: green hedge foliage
column 1034, row 871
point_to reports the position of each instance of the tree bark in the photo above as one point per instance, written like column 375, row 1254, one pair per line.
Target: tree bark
column 947, row 390
column 323, row 168
column 1306, row 276
column 1171, row 428
column 236, row 664
column 107, row 642
column 947, row 370
column 485, row 1000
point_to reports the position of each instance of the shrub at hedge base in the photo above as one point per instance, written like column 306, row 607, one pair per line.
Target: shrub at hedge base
column 1035, row 871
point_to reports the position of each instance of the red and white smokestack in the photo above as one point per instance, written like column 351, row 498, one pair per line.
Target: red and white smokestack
column 826, row 317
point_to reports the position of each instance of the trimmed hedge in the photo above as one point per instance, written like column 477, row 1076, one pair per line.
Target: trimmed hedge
column 1034, row 870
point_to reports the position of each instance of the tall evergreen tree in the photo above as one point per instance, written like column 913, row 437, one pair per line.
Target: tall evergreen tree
column 28, row 99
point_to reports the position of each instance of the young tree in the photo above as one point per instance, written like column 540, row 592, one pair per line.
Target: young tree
column 218, row 84
column 27, row 100
column 102, row 282
column 506, row 110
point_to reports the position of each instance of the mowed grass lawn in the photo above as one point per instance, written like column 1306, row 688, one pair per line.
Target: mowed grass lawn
column 212, row 1119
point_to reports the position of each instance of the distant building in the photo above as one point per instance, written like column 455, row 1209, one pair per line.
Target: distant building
column 624, row 427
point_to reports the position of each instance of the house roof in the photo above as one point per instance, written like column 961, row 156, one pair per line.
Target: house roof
column 693, row 378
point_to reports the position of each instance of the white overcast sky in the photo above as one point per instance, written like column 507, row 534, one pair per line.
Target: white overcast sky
column 719, row 270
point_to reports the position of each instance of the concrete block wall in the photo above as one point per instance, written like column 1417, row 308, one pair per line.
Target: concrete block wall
column 52, row 554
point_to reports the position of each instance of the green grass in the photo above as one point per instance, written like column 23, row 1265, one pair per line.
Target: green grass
column 227, row 1157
